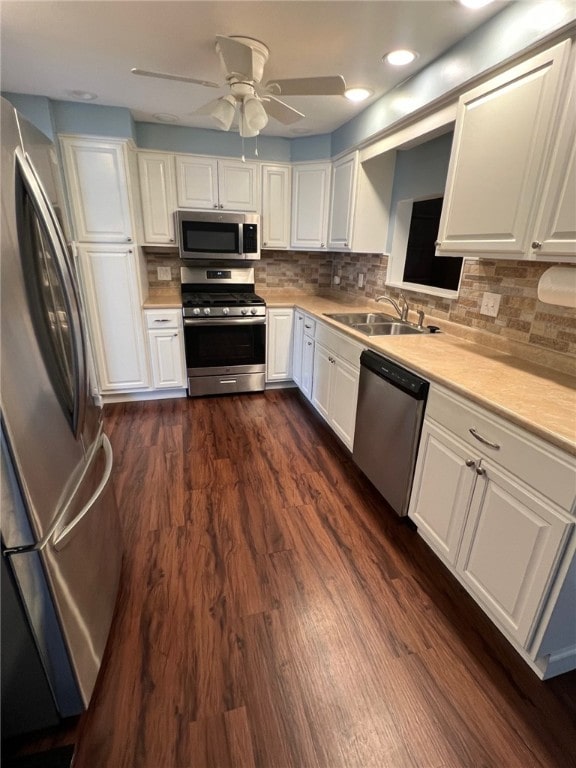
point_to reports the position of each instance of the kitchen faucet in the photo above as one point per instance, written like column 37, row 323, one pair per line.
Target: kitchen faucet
column 402, row 313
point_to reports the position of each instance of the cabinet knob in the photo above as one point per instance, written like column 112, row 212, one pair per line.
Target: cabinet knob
column 171, row 239
column 264, row 243
column 322, row 245
column 536, row 245
column 309, row 343
column 220, row 206
column 215, row 205
column 437, row 243
column 480, row 471
column 470, row 463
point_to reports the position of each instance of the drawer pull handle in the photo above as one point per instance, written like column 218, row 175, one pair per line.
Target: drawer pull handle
column 307, row 326
column 475, row 434
column 164, row 320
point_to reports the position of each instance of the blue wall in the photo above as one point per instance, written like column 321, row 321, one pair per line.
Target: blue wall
column 517, row 27
column 419, row 172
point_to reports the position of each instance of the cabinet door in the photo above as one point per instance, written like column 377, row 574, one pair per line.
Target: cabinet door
column 279, row 344
column 322, row 375
column 158, row 194
column 238, row 185
column 306, row 379
column 511, row 544
column 97, row 177
column 196, row 182
column 343, row 400
column 276, row 206
column 555, row 233
column 310, row 189
column 342, row 199
column 442, row 489
column 297, row 347
column 167, row 357
column 109, row 277
column 503, row 129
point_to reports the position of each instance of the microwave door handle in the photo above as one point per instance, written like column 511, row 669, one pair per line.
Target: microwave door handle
column 69, row 286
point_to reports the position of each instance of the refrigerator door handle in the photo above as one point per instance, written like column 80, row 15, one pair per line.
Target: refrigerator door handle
column 58, row 241
column 60, row 539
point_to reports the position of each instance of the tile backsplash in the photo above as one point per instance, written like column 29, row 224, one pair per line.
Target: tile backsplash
column 522, row 318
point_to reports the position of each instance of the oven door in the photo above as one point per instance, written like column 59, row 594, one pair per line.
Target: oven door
column 225, row 354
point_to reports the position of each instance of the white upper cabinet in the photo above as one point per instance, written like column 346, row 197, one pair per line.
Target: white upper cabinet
column 205, row 182
column 158, row 196
column 360, row 203
column 555, row 233
column 342, row 200
column 276, row 191
column 310, row 203
column 504, row 129
column 97, row 174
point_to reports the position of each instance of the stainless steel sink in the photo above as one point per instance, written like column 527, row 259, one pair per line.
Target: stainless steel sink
column 376, row 323
column 354, row 318
column 387, row 329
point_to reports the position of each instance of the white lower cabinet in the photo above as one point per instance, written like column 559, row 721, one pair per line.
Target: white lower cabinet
column 279, row 343
column 497, row 504
column 166, row 343
column 335, row 381
column 111, row 286
column 307, row 366
column 303, row 351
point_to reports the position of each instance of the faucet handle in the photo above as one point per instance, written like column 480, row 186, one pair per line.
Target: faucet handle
column 420, row 313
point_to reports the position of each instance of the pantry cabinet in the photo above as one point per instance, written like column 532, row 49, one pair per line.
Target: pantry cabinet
column 504, row 130
column 496, row 505
column 310, row 205
column 158, row 196
column 98, row 179
column 276, row 200
column 335, row 381
column 113, row 301
column 207, row 182
column 279, row 340
column 166, row 345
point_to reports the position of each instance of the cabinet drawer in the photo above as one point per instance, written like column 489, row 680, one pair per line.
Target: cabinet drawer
column 163, row 318
column 542, row 466
column 309, row 326
column 342, row 346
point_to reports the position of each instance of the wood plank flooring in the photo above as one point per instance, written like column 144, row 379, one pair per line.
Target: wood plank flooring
column 274, row 613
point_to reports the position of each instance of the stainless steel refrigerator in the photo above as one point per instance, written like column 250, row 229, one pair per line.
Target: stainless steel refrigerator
column 61, row 543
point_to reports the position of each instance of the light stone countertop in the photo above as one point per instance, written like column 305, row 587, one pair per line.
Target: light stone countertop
column 163, row 299
column 535, row 397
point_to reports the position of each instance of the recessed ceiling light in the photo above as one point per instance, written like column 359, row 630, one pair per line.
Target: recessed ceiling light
column 165, row 117
column 475, row 4
column 357, row 94
column 82, row 95
column 400, row 57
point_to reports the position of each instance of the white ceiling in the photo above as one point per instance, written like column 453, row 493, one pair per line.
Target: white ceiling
column 52, row 48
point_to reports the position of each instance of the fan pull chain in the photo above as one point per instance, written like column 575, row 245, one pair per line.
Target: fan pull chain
column 256, row 148
column 243, row 155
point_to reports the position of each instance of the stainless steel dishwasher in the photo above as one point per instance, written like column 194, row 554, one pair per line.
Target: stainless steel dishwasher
column 391, row 403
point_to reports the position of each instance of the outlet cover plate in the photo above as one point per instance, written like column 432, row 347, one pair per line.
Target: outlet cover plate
column 490, row 304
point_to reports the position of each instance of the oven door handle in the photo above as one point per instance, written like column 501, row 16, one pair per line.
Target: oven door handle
column 189, row 321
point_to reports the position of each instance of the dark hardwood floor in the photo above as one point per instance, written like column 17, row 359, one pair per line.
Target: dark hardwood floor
column 274, row 613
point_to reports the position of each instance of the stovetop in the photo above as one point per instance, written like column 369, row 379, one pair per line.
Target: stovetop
column 220, row 299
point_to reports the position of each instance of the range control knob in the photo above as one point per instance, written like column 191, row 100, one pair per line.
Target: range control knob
column 243, row 311
column 225, row 311
column 206, row 310
column 253, row 311
column 195, row 311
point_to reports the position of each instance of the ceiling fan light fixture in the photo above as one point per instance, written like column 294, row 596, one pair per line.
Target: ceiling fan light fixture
column 358, row 94
column 474, row 5
column 224, row 111
column 400, row 57
column 254, row 114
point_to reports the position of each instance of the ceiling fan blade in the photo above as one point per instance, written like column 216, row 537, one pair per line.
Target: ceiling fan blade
column 181, row 78
column 308, row 86
column 281, row 112
column 236, row 56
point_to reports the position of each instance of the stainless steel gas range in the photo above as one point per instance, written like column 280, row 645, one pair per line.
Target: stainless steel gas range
column 224, row 330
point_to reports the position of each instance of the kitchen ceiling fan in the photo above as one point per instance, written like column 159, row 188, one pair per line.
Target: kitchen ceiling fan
column 243, row 60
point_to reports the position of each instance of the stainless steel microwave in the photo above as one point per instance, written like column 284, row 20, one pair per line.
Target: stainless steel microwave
column 218, row 235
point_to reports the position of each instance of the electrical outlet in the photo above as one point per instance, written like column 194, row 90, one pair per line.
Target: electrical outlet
column 490, row 304
column 164, row 273
column 360, row 279
column 336, row 279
